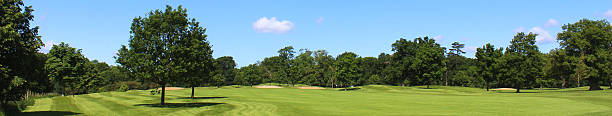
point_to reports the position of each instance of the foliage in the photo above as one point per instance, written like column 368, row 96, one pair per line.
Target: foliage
column 522, row 61
column 347, row 70
column 421, row 59
column 18, row 46
column 159, row 45
column 588, row 44
column 488, row 58
column 68, row 69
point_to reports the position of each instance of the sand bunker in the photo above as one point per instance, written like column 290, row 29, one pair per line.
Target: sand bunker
column 503, row 89
column 268, row 86
column 310, row 87
column 171, row 88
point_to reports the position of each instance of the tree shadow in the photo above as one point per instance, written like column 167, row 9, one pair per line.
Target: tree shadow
column 201, row 97
column 426, row 88
column 49, row 113
column 349, row 89
column 180, row 105
column 515, row 92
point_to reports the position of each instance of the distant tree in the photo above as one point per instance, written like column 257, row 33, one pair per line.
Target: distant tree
column 369, row 67
column 455, row 61
column 248, row 76
column 67, row 68
column 19, row 45
column 560, row 66
column 487, row 57
column 588, row 43
column 286, row 73
column 303, row 65
column 224, row 73
column 324, row 68
column 197, row 56
column 347, row 69
column 421, row 58
column 273, row 69
column 523, row 61
column 157, row 50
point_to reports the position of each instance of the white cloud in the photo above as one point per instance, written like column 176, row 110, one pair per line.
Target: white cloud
column 608, row 14
column 520, row 29
column 48, row 45
column 320, row 20
column 543, row 35
column 271, row 25
column 438, row 38
column 551, row 22
column 471, row 49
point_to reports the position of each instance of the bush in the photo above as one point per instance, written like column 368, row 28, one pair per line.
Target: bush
column 124, row 87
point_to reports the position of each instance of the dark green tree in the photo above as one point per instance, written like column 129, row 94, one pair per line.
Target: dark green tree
column 19, row 44
column 347, row 70
column 487, row 57
column 196, row 55
column 560, row 66
column 421, row 59
column 157, row 48
column 67, row 68
column 588, row 43
column 224, row 73
column 523, row 61
column 324, row 68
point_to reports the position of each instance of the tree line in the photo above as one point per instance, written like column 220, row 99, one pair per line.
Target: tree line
column 166, row 48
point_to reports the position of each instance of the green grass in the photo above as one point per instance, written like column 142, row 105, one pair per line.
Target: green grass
column 368, row 100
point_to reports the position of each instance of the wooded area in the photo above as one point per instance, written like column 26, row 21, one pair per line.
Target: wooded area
column 167, row 48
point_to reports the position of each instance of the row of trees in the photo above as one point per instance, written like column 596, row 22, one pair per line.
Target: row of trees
column 167, row 48
column 585, row 54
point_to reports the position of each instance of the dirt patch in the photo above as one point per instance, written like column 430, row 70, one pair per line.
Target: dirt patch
column 268, row 86
column 171, row 88
column 498, row 89
column 310, row 87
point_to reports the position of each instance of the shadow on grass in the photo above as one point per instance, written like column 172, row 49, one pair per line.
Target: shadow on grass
column 180, row 105
column 349, row 89
column 49, row 113
column 201, row 97
column 515, row 92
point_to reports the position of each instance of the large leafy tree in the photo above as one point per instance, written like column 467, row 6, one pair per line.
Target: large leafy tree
column 421, row 58
column 196, row 56
column 159, row 45
column 68, row 69
column 324, row 68
column 487, row 57
column 224, row 71
column 523, row 61
column 287, row 56
column 589, row 43
column 455, row 62
column 347, row 70
column 303, row 65
column 560, row 66
column 18, row 46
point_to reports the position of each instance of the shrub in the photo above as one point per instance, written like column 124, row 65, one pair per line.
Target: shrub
column 124, row 87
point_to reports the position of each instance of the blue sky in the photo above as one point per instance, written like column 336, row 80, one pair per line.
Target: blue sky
column 252, row 30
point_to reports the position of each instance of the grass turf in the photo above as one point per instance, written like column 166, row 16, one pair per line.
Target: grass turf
column 368, row 100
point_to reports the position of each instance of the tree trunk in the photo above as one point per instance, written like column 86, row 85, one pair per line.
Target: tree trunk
column 611, row 85
column 427, row 86
column 563, row 84
column 518, row 89
column 487, row 86
column 192, row 92
column 163, row 94
column 594, row 85
column 578, row 80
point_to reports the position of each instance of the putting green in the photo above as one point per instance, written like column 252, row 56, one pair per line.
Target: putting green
column 369, row 100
